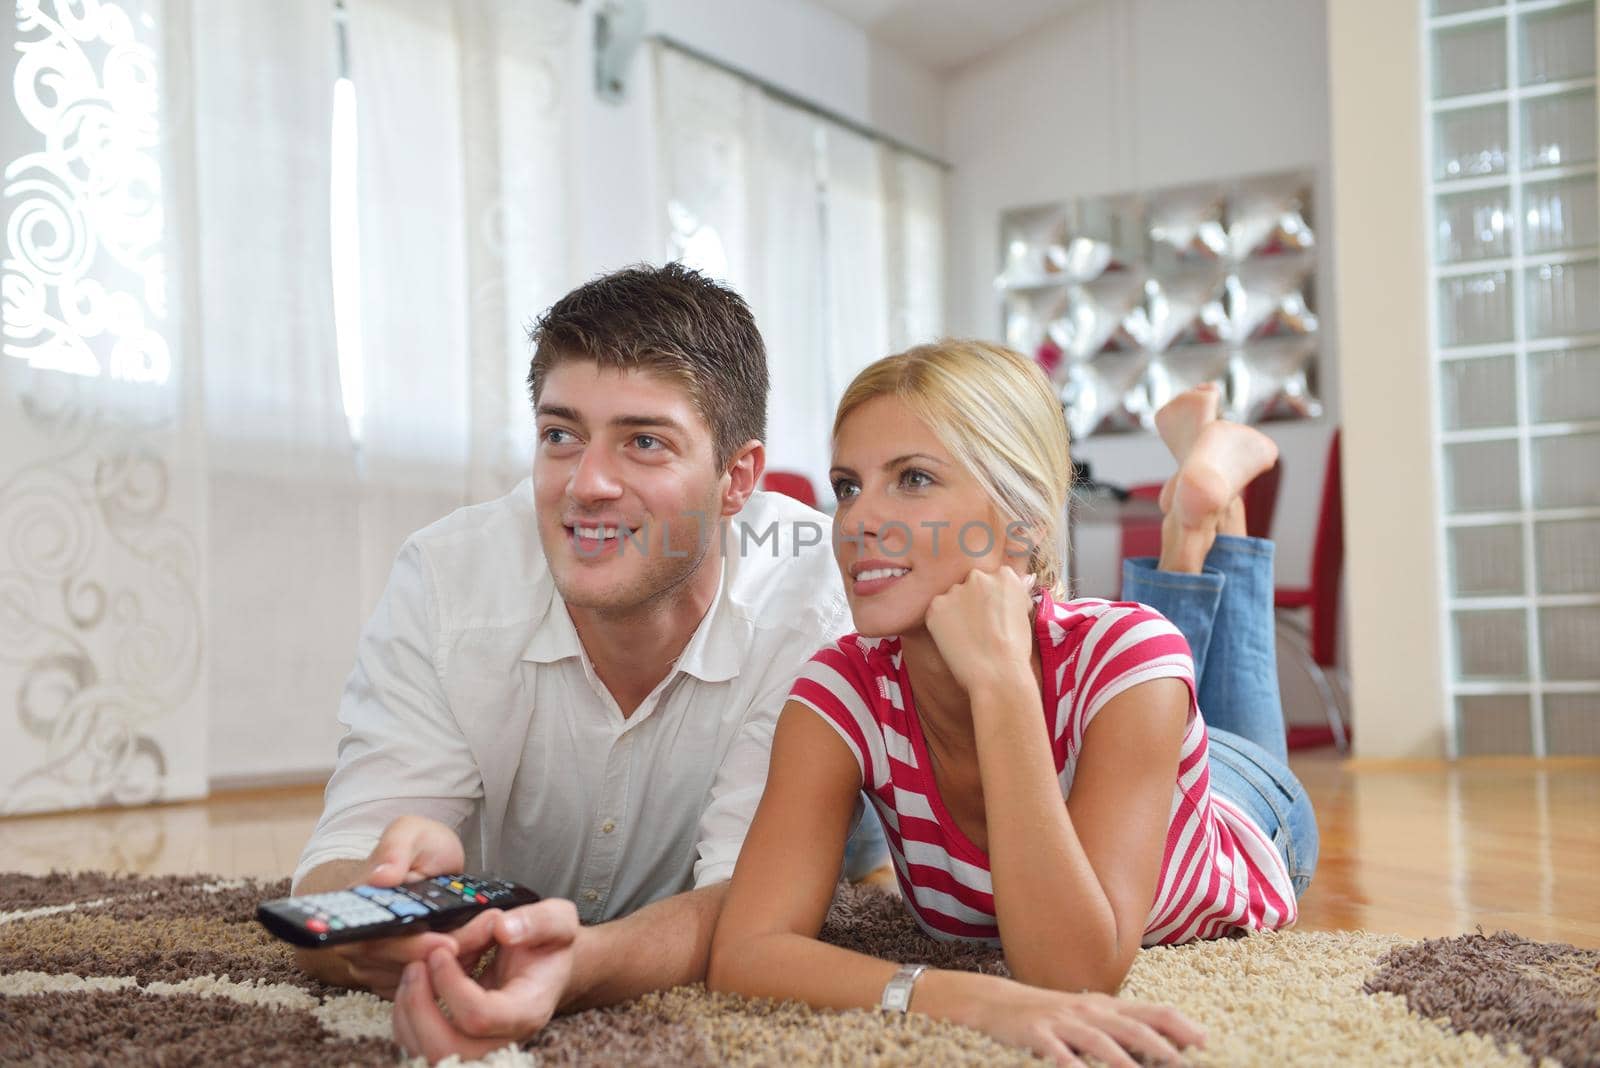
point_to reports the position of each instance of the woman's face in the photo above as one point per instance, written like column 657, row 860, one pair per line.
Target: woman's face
column 912, row 522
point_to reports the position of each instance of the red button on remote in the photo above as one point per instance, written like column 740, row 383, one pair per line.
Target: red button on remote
column 482, row 900
column 317, row 926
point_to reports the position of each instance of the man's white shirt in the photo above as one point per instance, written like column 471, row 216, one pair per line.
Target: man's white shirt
column 473, row 702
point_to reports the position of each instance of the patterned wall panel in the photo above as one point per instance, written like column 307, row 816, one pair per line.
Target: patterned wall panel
column 1129, row 300
column 101, row 666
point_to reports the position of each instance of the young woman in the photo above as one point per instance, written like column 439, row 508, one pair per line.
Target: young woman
column 975, row 698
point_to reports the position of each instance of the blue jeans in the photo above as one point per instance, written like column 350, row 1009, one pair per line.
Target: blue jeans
column 867, row 849
column 1226, row 614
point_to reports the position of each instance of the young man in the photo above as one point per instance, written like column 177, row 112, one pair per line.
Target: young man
column 576, row 686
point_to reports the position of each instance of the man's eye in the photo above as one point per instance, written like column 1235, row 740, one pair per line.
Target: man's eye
column 647, row 441
column 555, row 436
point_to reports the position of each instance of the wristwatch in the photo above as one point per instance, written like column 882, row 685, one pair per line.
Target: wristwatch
column 897, row 992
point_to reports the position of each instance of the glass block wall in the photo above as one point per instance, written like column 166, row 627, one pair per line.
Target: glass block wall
column 1514, row 208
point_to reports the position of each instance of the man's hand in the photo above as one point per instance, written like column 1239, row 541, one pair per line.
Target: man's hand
column 411, row 848
column 510, row 1002
column 414, row 848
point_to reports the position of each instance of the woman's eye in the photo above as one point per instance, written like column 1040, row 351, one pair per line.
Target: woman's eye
column 916, row 479
column 843, row 488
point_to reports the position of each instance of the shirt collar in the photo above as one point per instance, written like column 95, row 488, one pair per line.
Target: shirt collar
column 716, row 648
column 554, row 637
column 713, row 653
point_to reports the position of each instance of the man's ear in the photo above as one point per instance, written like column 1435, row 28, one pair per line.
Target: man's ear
column 744, row 476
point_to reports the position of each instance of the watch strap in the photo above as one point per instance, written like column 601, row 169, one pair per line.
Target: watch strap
column 897, row 991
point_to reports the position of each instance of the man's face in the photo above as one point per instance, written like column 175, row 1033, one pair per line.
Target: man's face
column 620, row 452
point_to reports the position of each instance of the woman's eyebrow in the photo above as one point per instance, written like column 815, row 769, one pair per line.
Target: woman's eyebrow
column 898, row 460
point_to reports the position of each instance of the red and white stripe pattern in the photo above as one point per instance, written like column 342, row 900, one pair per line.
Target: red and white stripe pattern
column 1219, row 871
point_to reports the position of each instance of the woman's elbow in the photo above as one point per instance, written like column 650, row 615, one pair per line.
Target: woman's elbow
column 721, row 972
column 1107, row 978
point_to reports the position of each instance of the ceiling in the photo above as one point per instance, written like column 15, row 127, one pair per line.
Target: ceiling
column 943, row 35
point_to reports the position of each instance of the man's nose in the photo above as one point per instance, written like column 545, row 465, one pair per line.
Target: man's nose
column 595, row 477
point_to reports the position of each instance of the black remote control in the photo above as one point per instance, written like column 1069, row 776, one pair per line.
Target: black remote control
column 362, row 912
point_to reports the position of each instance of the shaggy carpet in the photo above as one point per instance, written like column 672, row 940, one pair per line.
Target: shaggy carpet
column 98, row 969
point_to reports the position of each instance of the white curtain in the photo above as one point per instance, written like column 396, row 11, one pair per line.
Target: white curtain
column 284, row 548
column 458, row 119
column 835, row 240
column 198, row 502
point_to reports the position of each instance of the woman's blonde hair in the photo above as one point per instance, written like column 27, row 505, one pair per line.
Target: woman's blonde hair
column 999, row 417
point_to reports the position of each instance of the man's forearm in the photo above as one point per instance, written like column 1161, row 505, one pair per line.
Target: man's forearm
column 331, row 875
column 661, row 946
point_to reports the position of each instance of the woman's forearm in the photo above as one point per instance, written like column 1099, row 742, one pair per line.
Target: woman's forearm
column 1057, row 925
column 793, row 966
column 787, row 965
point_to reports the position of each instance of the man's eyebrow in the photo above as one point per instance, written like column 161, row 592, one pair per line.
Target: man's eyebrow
column 556, row 411
column 647, row 421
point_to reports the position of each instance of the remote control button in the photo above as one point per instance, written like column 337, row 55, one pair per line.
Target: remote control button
column 455, row 886
column 482, row 899
column 316, row 926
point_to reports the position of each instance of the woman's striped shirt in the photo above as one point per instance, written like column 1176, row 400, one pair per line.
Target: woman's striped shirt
column 1219, row 871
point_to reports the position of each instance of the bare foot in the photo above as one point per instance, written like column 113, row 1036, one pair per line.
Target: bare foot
column 1203, row 498
column 1181, row 419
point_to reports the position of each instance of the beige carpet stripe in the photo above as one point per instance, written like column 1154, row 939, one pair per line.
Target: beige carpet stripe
column 1297, row 998
column 356, row 1014
column 23, row 984
column 49, row 910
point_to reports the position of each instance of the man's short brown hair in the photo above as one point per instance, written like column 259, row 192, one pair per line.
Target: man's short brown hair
column 673, row 321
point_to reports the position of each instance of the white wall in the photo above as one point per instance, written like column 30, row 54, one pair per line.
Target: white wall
column 1391, row 494
column 1119, row 95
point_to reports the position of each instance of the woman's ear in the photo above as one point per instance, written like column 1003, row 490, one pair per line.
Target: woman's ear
column 1022, row 548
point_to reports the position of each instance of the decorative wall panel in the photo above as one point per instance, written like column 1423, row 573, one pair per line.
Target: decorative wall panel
column 101, row 666
column 1129, row 300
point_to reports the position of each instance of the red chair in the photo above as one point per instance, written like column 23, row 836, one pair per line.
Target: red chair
column 790, row 484
column 1141, row 532
column 1317, row 631
column 1261, row 501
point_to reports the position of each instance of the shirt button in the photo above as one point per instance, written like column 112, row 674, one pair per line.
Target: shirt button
column 591, row 895
column 608, row 826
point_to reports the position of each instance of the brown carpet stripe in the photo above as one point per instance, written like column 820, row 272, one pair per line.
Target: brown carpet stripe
column 175, row 971
column 1543, row 997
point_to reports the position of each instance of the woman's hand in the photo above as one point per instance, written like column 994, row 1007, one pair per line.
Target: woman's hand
column 983, row 626
column 1061, row 1027
column 510, row 1002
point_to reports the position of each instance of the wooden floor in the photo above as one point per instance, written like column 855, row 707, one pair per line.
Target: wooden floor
column 1420, row 849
